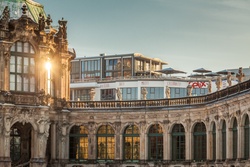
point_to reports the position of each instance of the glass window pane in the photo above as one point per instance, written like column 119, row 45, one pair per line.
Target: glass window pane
column 26, row 47
column 32, row 49
column 25, row 65
column 19, row 46
column 12, row 64
column 19, row 83
column 25, row 84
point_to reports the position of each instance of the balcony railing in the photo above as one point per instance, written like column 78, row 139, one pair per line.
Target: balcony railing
column 163, row 103
column 36, row 99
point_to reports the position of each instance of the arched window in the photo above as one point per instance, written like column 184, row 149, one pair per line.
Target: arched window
column 200, row 145
column 155, row 141
column 131, row 143
column 235, row 139
column 78, row 143
column 246, row 137
column 15, row 144
column 214, row 141
column 105, row 143
column 22, row 67
column 224, row 140
column 178, row 143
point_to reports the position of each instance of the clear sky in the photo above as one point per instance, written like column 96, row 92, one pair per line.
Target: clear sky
column 188, row 34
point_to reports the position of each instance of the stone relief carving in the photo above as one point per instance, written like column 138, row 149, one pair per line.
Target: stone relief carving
column 5, row 17
column 43, row 133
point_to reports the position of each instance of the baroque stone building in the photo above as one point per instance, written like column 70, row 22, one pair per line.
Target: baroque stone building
column 34, row 78
column 39, row 126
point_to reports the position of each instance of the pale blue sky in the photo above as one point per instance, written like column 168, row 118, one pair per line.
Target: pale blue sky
column 188, row 34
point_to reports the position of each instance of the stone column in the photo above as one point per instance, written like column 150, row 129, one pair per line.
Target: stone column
column 5, row 140
column 209, row 145
column 40, row 138
column 92, row 150
column 143, row 142
column 241, row 147
column 188, row 143
column 168, row 146
column 218, row 144
column 62, row 140
column 117, row 141
column 166, row 142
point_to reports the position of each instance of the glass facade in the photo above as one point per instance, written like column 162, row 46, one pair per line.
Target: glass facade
column 155, row 93
column 80, row 94
column 178, row 143
column 22, row 67
column 75, row 71
column 118, row 67
column 129, row 93
column 108, row 94
column 155, row 141
column 200, row 142
column 105, row 143
column 91, row 69
column 78, row 143
column 131, row 143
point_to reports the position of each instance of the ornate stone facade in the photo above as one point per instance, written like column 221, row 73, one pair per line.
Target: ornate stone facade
column 40, row 127
column 28, row 91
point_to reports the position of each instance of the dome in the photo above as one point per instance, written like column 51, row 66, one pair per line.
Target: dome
column 15, row 6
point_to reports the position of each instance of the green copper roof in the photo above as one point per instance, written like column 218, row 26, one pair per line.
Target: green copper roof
column 15, row 6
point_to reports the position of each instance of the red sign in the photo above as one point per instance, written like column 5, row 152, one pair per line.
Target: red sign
column 198, row 84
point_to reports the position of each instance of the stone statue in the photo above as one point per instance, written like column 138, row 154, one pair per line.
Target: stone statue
column 144, row 93
column 229, row 78
column 167, row 92
column 92, row 94
column 189, row 90
column 48, row 21
column 209, row 86
column 119, row 94
column 218, row 83
column 41, row 22
column 240, row 75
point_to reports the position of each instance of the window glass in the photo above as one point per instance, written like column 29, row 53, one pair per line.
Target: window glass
column 131, row 143
column 78, row 143
column 155, row 143
column 105, row 143
column 22, row 68
column 178, row 143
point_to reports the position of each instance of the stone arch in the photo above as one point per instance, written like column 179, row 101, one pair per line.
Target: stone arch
column 221, row 123
column 211, row 124
column 198, row 121
column 128, row 124
column 153, row 123
column 231, row 121
column 243, row 118
column 103, row 124
column 175, row 123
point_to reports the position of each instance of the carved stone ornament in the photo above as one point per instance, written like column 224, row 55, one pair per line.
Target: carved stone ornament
column 216, row 117
column 5, row 17
column 166, row 121
column 25, row 115
column 238, row 112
